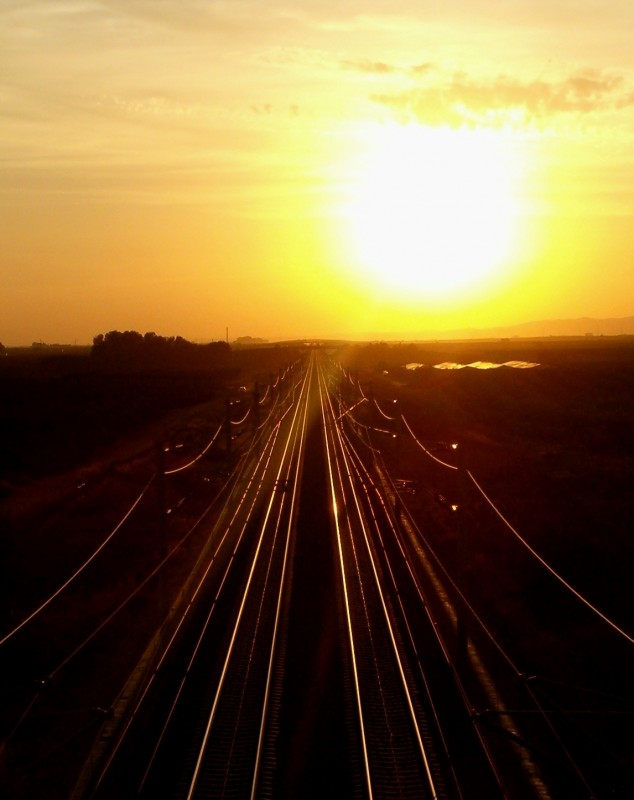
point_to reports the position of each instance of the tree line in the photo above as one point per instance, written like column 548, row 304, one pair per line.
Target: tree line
column 133, row 350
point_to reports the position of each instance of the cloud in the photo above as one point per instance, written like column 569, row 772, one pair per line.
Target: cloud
column 421, row 69
column 463, row 99
column 383, row 68
column 371, row 67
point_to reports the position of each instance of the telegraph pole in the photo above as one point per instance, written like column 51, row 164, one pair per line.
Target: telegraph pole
column 256, row 405
column 162, row 533
column 461, row 561
column 228, row 428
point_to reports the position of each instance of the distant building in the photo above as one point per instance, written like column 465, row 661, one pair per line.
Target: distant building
column 249, row 340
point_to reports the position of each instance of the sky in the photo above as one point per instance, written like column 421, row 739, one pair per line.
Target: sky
column 313, row 168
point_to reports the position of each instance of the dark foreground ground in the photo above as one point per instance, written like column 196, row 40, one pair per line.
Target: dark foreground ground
column 77, row 447
column 553, row 446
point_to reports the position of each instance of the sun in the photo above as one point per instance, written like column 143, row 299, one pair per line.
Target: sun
column 433, row 211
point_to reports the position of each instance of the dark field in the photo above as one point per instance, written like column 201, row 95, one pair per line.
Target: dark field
column 552, row 447
column 60, row 410
column 79, row 444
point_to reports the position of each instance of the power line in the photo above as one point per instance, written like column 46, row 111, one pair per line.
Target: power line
column 545, row 564
column 78, row 572
column 198, row 457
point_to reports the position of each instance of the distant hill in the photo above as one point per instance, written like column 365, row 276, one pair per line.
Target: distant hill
column 584, row 326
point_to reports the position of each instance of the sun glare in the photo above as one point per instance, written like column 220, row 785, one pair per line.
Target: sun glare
column 433, row 213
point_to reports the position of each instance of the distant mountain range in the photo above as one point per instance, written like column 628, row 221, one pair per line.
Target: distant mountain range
column 584, row 326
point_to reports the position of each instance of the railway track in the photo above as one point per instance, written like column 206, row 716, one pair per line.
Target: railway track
column 298, row 666
column 398, row 750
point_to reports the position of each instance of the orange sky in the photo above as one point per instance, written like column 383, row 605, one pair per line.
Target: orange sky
column 313, row 168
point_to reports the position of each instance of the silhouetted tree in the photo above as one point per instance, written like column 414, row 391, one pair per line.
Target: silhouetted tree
column 131, row 350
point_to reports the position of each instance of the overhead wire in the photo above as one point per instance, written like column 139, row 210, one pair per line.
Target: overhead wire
column 378, row 456
column 355, row 424
column 474, row 615
column 158, row 567
column 533, row 552
column 467, row 605
column 349, row 410
column 80, row 569
column 366, row 480
column 235, row 476
column 269, row 415
column 547, row 566
column 382, row 413
column 549, row 716
column 443, row 569
column 198, row 457
column 240, row 421
column 142, row 584
column 424, row 449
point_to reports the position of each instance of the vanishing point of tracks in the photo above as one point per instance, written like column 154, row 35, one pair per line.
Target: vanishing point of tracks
column 302, row 662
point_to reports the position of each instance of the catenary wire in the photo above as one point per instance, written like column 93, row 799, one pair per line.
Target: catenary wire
column 545, row 564
column 80, row 569
column 197, row 458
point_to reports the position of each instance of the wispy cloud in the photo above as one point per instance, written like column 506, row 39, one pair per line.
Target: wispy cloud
column 462, row 99
column 384, row 68
column 371, row 67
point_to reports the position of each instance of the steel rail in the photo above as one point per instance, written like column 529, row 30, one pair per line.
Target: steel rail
column 337, row 511
column 365, row 480
column 196, row 458
column 255, row 479
column 284, row 463
column 300, row 448
column 122, row 713
column 451, row 613
column 254, row 485
column 353, row 494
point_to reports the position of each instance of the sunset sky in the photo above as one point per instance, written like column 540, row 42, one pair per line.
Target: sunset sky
column 313, row 168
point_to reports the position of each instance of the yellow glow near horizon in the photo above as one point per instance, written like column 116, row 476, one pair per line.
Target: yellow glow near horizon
column 434, row 213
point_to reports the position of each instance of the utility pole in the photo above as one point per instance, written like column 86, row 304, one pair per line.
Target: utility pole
column 256, row 405
column 461, row 558
column 162, row 534
column 228, row 428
